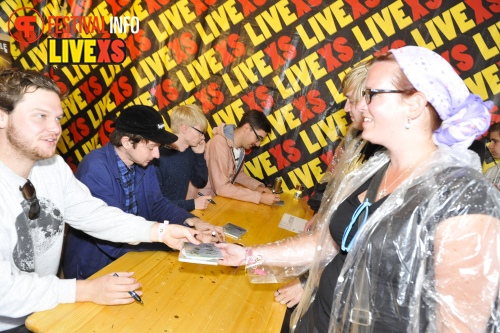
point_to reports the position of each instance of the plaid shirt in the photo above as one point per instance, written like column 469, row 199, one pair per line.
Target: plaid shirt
column 127, row 176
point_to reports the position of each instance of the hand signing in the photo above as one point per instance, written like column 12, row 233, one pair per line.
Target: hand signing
column 202, row 202
column 108, row 289
column 269, row 198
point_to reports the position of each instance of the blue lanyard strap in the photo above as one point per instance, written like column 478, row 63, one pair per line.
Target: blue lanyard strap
column 361, row 208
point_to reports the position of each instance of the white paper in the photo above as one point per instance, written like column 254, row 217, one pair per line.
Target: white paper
column 292, row 223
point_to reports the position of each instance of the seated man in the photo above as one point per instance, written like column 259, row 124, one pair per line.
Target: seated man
column 121, row 175
column 39, row 195
column 493, row 173
column 184, row 163
column 225, row 154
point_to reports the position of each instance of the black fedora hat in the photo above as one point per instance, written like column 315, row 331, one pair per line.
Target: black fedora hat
column 146, row 122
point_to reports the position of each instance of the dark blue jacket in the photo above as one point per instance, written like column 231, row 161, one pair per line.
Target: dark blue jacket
column 83, row 254
column 175, row 170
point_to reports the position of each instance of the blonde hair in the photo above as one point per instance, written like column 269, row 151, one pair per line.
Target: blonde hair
column 355, row 81
column 190, row 115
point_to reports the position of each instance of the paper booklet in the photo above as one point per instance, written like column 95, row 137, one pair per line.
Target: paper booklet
column 206, row 254
column 292, row 223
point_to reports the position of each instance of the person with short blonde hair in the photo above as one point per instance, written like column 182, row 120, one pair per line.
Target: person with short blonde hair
column 190, row 115
column 181, row 170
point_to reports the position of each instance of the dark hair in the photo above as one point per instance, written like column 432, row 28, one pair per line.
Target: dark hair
column 116, row 138
column 494, row 128
column 401, row 82
column 15, row 83
column 257, row 120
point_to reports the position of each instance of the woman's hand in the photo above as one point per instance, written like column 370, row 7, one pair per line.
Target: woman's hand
column 234, row 255
column 290, row 294
column 310, row 223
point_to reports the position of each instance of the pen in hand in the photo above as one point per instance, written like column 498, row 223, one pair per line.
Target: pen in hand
column 133, row 294
column 209, row 200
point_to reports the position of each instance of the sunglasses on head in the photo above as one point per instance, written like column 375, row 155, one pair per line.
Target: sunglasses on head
column 29, row 194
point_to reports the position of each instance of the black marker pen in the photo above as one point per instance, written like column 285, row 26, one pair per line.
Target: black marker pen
column 209, row 200
column 133, row 294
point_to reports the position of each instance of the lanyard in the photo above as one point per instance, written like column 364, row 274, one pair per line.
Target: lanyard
column 361, row 213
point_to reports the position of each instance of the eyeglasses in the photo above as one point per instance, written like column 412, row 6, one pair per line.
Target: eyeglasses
column 258, row 136
column 29, row 193
column 197, row 130
column 369, row 93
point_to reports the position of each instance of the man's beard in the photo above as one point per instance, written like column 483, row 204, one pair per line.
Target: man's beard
column 23, row 148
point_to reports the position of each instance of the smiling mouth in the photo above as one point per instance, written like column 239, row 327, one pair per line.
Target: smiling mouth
column 367, row 119
column 51, row 139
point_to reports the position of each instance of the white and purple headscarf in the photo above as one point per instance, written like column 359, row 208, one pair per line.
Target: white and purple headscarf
column 465, row 116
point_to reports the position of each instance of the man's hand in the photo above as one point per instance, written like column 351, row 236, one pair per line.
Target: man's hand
column 289, row 294
column 174, row 235
column 202, row 202
column 108, row 289
column 200, row 148
column 207, row 233
column 263, row 189
column 269, row 198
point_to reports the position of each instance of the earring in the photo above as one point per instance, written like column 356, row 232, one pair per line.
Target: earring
column 408, row 124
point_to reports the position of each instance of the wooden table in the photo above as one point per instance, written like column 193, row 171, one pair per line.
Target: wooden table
column 185, row 297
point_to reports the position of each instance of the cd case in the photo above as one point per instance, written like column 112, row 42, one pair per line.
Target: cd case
column 206, row 254
column 234, row 230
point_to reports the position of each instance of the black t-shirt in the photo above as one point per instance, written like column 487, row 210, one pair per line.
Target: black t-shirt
column 340, row 220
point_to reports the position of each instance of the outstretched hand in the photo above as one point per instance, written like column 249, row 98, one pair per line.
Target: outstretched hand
column 234, row 255
column 207, row 233
column 176, row 235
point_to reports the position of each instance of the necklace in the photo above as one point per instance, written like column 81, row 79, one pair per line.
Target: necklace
column 383, row 191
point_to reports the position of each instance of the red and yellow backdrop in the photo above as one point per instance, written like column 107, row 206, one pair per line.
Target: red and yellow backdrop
column 285, row 58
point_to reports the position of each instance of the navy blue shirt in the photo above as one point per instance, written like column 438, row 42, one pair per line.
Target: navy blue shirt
column 176, row 169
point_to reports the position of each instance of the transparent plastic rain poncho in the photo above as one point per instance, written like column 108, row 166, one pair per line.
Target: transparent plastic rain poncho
column 426, row 261
column 299, row 250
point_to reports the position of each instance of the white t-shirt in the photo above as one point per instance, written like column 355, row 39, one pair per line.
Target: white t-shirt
column 30, row 250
